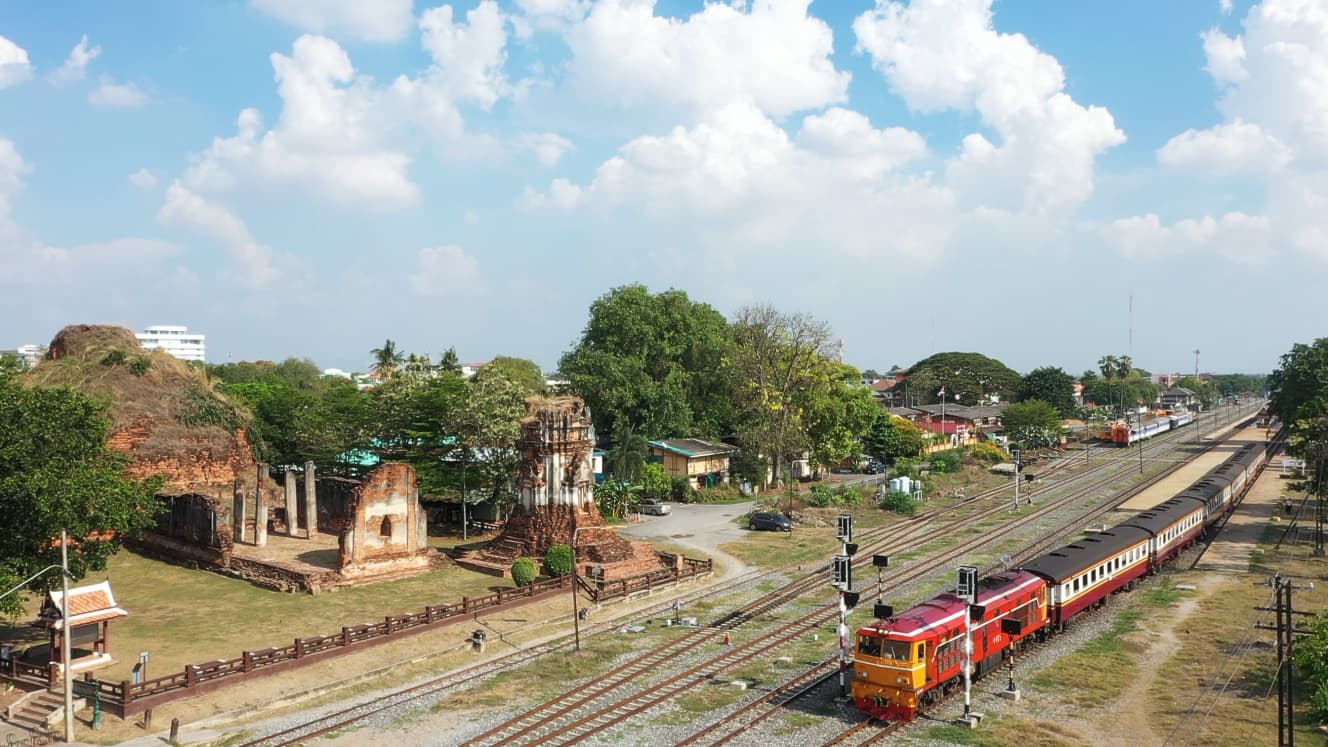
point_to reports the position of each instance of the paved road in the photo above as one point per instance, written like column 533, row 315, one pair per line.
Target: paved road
column 704, row 527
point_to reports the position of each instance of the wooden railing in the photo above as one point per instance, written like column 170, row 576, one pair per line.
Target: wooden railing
column 126, row 697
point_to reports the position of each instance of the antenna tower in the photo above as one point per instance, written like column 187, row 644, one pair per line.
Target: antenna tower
column 1196, row 363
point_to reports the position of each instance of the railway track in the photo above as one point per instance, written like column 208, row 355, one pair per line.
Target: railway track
column 564, row 710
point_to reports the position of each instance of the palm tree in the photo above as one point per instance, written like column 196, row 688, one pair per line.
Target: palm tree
column 387, row 360
column 418, row 366
column 1107, row 365
column 1124, row 366
column 628, row 457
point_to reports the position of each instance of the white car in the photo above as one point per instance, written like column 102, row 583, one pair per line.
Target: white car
column 653, row 506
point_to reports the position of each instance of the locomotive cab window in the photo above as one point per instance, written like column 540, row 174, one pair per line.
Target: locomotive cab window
column 869, row 645
column 897, row 650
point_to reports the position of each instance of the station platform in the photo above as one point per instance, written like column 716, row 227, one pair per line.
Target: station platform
column 1188, row 474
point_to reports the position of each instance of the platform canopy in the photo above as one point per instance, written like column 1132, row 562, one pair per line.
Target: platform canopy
column 87, row 604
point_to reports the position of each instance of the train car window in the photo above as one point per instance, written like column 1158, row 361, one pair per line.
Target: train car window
column 922, row 652
column 869, row 645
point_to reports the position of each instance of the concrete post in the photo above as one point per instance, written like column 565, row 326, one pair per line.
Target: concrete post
column 310, row 501
column 238, row 512
column 292, row 517
column 260, row 508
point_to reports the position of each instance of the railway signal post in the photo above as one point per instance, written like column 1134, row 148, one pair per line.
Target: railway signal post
column 968, row 591
column 842, row 579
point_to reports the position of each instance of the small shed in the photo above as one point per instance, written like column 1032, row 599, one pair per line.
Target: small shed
column 705, row 463
column 91, row 610
column 1178, row 398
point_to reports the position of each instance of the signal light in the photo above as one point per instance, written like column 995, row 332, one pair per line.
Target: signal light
column 976, row 612
column 850, row 549
column 883, row 611
column 1012, row 626
column 881, row 561
column 851, row 599
column 842, row 571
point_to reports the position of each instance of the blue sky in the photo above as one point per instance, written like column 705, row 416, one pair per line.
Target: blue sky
column 311, row 177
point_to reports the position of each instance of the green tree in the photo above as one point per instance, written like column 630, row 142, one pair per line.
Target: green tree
column 970, row 376
column 57, row 472
column 1231, row 385
column 448, row 362
column 1051, row 385
column 522, row 372
column 1107, row 365
column 334, row 427
column 488, row 428
column 1033, row 424
column 839, row 417
column 388, row 361
column 629, row 454
column 779, row 367
column 655, row 482
column 613, row 497
column 524, row 572
column 891, row 437
column 1206, row 391
column 653, row 360
column 1301, row 377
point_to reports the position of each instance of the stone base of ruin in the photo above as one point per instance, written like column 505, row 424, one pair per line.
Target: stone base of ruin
column 288, row 564
column 530, row 534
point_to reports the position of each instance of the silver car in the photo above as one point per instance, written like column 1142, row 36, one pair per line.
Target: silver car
column 653, row 506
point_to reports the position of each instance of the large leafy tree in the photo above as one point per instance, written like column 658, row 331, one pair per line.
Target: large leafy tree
column 780, row 367
column 488, row 428
column 630, row 452
column 524, row 373
column 1206, row 391
column 653, row 360
column 1120, row 395
column 1229, row 385
column 1051, row 385
column 971, row 376
column 56, row 472
column 1301, row 377
column 839, row 416
column 891, row 437
column 336, row 425
column 1032, row 424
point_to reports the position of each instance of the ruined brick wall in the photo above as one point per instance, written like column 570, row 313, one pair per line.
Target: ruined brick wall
column 388, row 522
column 194, row 463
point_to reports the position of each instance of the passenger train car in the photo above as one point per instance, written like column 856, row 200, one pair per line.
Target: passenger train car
column 907, row 662
column 1125, row 434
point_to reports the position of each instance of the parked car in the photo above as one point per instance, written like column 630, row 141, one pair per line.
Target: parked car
column 874, row 467
column 770, row 521
column 653, row 506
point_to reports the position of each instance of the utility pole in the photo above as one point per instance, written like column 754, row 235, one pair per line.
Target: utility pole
column 1196, row 363
column 1286, row 641
column 1018, row 455
column 65, row 634
column 968, row 591
column 842, row 579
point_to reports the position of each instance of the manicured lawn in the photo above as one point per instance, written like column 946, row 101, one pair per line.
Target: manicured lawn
column 185, row 616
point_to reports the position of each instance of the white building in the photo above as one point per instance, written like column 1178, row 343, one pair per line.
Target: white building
column 31, row 355
column 178, row 341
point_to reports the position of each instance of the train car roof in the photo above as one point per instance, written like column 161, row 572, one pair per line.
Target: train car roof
column 1060, row 565
column 1164, row 515
column 946, row 610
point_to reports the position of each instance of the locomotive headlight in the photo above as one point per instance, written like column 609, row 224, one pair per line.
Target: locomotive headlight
column 902, row 680
column 862, row 673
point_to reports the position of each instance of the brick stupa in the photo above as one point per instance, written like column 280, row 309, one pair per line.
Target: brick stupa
column 558, row 500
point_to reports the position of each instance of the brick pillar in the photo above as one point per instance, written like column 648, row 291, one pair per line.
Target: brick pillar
column 238, row 512
column 260, row 508
column 310, row 501
column 292, row 517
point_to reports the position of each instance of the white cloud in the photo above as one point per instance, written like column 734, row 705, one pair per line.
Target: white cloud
column 1225, row 6
column 1226, row 57
column 1234, row 148
column 738, row 181
column 143, row 179
column 548, row 15
column 369, row 20
column 774, row 55
column 1235, row 236
column 188, row 209
column 946, row 54
column 548, row 147
column 468, row 59
column 14, row 65
column 12, row 170
column 445, row 271
column 120, row 95
column 76, row 64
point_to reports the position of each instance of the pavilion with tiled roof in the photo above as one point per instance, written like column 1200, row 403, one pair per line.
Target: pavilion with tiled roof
column 91, row 610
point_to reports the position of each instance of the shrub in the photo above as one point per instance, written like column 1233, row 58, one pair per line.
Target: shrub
column 559, row 560
column 899, row 502
column 140, row 365
column 681, row 490
column 655, row 482
column 988, row 452
column 906, row 467
column 947, row 462
column 524, row 571
column 850, row 497
column 822, row 495
column 113, row 358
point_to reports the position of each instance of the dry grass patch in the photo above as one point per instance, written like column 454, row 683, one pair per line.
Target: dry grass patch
column 1005, row 732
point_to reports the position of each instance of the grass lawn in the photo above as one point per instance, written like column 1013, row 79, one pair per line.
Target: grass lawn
column 184, row 616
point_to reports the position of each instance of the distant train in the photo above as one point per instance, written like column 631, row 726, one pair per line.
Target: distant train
column 1125, row 434
column 907, row 662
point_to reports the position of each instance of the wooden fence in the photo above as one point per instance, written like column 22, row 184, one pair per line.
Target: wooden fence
column 125, row 698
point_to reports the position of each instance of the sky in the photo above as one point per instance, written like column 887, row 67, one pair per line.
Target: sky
column 1041, row 182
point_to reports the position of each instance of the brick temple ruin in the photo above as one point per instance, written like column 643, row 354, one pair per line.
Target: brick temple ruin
column 311, row 534
column 557, row 504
